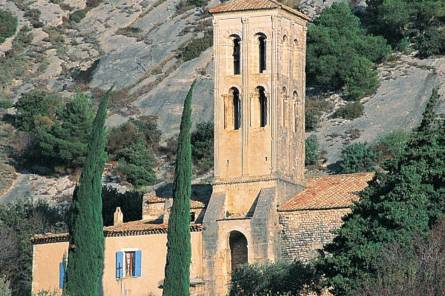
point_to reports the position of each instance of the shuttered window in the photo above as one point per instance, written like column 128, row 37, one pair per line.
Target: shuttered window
column 128, row 264
column 62, row 274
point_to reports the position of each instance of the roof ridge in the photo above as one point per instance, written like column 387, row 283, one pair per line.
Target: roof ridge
column 241, row 5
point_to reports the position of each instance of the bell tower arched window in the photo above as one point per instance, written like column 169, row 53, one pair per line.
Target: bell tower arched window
column 262, row 52
column 236, row 103
column 236, row 55
column 263, row 106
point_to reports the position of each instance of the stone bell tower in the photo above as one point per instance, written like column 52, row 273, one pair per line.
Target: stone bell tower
column 259, row 58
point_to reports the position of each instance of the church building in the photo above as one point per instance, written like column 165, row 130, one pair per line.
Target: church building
column 261, row 208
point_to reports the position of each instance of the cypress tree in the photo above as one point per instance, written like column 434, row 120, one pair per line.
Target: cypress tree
column 85, row 255
column 177, row 268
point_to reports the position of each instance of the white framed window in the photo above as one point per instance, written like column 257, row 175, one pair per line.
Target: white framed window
column 128, row 263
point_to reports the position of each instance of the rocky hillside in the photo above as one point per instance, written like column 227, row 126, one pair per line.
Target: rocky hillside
column 151, row 51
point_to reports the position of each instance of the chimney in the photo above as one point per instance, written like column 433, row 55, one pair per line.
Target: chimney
column 118, row 216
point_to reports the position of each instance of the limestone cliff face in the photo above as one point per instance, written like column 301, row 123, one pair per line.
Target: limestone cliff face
column 136, row 44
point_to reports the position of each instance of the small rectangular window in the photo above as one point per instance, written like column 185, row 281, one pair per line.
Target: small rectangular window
column 192, row 216
column 129, row 264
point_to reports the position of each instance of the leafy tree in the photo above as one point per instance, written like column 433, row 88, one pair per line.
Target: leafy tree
column 177, row 268
column 417, row 269
column 136, row 164
column 357, row 157
column 282, row 278
column 361, row 79
column 66, row 140
column 86, row 248
column 398, row 207
column 420, row 22
column 148, row 126
column 19, row 221
column 312, row 153
column 202, row 146
column 334, row 40
column 121, row 137
column 37, row 104
column 132, row 144
column 8, row 25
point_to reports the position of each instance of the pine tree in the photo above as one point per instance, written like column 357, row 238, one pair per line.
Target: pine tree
column 85, row 256
column 177, row 268
column 398, row 207
column 66, row 141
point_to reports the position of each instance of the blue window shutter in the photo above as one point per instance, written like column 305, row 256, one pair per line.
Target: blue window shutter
column 119, row 265
column 61, row 275
column 138, row 263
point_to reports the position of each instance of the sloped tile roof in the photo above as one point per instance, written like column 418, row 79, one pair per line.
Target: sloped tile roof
column 329, row 192
column 140, row 227
column 243, row 5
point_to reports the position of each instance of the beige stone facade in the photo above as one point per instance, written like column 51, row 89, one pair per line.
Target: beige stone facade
column 259, row 131
column 48, row 253
column 261, row 208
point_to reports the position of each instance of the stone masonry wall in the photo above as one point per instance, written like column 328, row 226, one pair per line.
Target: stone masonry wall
column 304, row 232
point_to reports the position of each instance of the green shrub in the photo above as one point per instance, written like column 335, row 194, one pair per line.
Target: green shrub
column 93, row 3
column 122, row 137
column 334, row 40
column 4, row 287
column 77, row 16
column 358, row 157
column 361, row 79
column 195, row 47
column 136, row 164
column 282, row 278
column 312, row 150
column 349, row 111
column 130, row 203
column 8, row 25
column 391, row 145
column 311, row 120
column 35, row 105
column 431, row 42
column 148, row 126
column 197, row 3
column 33, row 16
column 144, row 127
column 202, row 146
column 14, row 64
column 6, row 104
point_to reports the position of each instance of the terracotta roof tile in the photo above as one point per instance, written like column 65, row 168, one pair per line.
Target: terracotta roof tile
column 242, row 5
column 140, row 227
column 328, row 192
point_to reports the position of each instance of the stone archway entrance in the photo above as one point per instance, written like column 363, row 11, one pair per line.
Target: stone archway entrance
column 238, row 249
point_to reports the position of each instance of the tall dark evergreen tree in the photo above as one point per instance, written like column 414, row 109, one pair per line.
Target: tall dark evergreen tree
column 177, row 268
column 85, row 256
column 398, row 207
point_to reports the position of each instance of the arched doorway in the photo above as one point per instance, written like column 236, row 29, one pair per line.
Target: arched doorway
column 238, row 249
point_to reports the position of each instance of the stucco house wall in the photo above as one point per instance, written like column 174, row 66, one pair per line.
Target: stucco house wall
column 47, row 256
